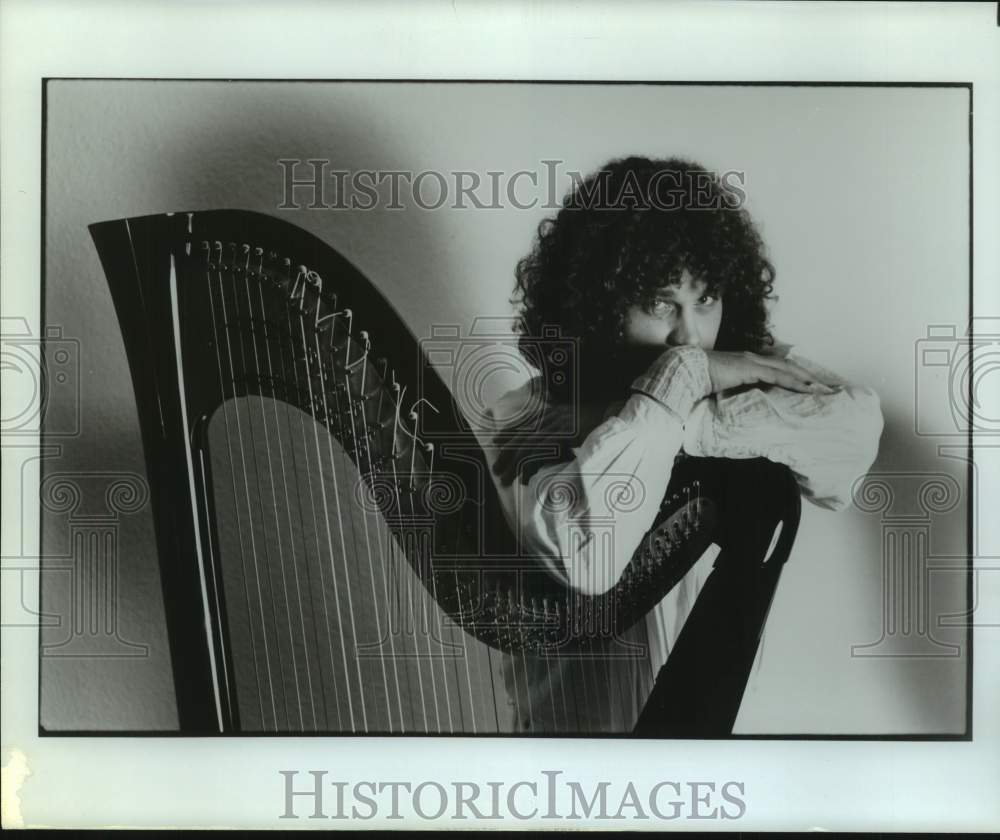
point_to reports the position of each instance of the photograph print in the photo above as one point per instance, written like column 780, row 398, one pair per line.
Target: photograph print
column 632, row 410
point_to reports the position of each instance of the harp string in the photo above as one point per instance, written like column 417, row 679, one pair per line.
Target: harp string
column 371, row 566
column 393, row 455
column 524, row 664
column 231, row 322
column 311, row 588
column 465, row 653
column 216, row 585
column 231, row 460
column 348, row 559
column 385, row 566
column 315, row 527
column 247, row 366
column 414, row 443
column 205, row 484
column 215, row 570
column 349, row 367
column 314, row 405
column 503, row 627
column 264, row 322
column 445, row 621
column 463, row 611
column 416, row 546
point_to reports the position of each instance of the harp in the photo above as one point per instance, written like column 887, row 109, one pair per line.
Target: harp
column 333, row 554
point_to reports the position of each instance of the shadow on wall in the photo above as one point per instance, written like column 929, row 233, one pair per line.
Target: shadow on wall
column 917, row 501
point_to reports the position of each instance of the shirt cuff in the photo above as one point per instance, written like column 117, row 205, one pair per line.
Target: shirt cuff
column 677, row 380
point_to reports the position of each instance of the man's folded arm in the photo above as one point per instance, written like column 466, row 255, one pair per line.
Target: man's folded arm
column 587, row 516
column 828, row 440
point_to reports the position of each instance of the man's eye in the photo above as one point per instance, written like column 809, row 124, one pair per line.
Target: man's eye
column 661, row 307
column 707, row 300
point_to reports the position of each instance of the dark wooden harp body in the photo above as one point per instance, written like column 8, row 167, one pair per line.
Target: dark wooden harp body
column 226, row 315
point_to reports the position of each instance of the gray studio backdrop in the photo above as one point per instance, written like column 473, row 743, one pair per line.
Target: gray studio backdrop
column 861, row 195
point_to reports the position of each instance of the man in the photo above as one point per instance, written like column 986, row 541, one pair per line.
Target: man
column 660, row 277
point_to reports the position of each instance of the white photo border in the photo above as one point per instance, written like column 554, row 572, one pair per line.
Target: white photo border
column 803, row 784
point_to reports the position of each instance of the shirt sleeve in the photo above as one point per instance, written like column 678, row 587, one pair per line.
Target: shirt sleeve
column 587, row 516
column 828, row 440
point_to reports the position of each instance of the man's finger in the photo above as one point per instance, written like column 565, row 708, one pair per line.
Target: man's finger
column 791, row 367
column 808, row 388
column 785, row 380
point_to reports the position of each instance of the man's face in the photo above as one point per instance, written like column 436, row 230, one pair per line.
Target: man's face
column 683, row 315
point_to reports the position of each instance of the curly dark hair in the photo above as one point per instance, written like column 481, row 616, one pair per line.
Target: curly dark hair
column 623, row 233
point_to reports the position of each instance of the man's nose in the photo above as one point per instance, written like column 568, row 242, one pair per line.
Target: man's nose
column 684, row 333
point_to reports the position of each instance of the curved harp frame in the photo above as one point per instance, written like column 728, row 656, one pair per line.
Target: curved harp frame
column 173, row 327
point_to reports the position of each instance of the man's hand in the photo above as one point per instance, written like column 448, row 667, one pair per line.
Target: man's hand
column 731, row 370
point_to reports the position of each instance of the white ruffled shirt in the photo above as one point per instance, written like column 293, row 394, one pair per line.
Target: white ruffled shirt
column 585, row 517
